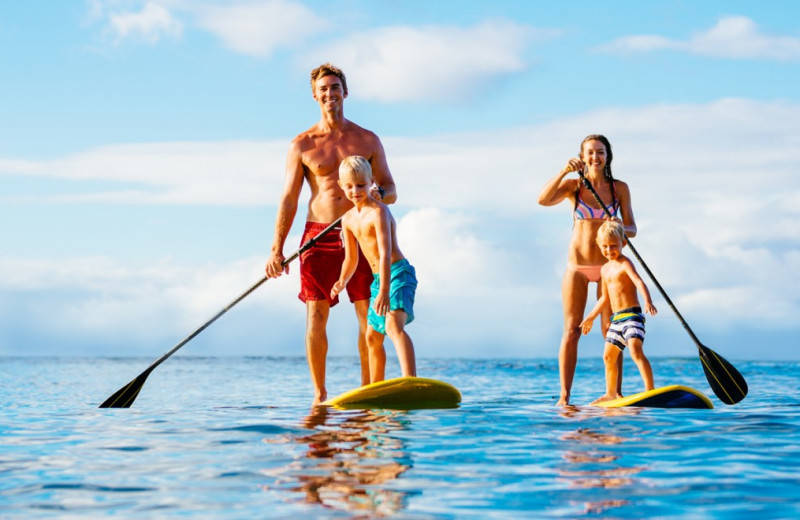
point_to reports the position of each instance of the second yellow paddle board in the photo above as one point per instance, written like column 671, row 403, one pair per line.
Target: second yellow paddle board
column 672, row 396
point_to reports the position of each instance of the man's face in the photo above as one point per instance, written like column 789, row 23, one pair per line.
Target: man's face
column 329, row 92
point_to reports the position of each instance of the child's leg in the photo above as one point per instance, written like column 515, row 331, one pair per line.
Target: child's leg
column 610, row 356
column 377, row 356
column 605, row 323
column 395, row 329
column 637, row 353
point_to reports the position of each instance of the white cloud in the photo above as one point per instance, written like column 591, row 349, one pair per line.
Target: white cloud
column 258, row 28
column 252, row 27
column 430, row 63
column 233, row 173
column 150, row 24
column 736, row 37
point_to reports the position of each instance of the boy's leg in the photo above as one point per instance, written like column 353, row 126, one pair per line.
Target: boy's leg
column 605, row 322
column 637, row 354
column 362, row 307
column 395, row 329
column 610, row 356
column 377, row 356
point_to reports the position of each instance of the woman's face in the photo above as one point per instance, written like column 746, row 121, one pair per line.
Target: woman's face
column 594, row 155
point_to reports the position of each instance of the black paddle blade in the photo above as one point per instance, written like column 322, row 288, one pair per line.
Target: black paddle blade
column 726, row 382
column 125, row 396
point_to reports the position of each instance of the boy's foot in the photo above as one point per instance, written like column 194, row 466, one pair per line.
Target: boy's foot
column 605, row 398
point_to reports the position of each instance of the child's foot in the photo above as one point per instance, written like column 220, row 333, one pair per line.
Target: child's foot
column 605, row 398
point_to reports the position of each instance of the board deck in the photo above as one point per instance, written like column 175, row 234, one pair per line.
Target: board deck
column 402, row 393
column 673, row 396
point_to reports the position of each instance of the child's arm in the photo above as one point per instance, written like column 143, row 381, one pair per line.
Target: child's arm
column 586, row 324
column 630, row 269
column 350, row 260
column 383, row 237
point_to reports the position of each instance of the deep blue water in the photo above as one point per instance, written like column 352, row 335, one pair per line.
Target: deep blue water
column 236, row 438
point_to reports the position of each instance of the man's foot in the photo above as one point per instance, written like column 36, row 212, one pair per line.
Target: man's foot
column 563, row 401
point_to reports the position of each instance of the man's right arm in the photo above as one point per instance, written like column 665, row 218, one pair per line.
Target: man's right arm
column 287, row 209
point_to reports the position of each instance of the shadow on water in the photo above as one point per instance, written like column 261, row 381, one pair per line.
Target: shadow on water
column 348, row 460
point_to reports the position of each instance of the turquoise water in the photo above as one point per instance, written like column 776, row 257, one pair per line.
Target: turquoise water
column 236, row 438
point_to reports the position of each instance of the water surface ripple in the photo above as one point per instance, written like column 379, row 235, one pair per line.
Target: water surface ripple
column 236, row 438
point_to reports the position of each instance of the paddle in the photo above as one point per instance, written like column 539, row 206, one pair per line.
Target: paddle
column 726, row 382
column 124, row 397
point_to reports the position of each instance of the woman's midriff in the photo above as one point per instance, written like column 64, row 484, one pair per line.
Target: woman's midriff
column 583, row 248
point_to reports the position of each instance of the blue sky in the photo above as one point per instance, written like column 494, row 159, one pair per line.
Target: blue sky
column 143, row 145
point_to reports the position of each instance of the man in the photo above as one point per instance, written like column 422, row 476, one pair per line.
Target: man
column 314, row 156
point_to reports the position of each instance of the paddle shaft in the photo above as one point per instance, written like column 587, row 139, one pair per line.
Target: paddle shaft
column 686, row 326
column 131, row 394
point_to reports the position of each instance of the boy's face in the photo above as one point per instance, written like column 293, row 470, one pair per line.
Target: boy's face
column 611, row 247
column 355, row 186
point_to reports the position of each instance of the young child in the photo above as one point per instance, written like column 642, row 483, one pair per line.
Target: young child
column 371, row 226
column 620, row 281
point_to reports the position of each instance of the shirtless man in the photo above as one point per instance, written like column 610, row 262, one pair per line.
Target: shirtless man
column 314, row 157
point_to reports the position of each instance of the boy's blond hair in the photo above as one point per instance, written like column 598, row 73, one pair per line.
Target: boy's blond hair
column 355, row 164
column 611, row 229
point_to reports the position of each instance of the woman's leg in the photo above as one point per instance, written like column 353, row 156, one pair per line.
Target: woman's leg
column 574, row 291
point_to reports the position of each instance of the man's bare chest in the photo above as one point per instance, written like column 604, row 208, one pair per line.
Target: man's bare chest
column 323, row 160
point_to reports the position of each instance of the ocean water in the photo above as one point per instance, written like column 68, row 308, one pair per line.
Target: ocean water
column 236, row 438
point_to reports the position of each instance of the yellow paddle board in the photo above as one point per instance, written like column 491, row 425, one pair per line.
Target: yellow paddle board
column 673, row 396
column 402, row 393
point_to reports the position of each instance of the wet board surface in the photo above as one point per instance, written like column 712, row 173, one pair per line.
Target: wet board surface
column 402, row 393
column 673, row 396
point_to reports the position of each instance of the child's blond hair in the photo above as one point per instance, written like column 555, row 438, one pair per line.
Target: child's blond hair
column 611, row 229
column 355, row 164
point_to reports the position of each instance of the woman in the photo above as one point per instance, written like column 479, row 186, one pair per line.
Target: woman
column 584, row 259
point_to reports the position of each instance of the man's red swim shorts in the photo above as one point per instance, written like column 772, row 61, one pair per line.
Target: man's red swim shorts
column 321, row 266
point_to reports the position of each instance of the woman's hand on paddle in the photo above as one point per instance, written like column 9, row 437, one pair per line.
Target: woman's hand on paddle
column 573, row 165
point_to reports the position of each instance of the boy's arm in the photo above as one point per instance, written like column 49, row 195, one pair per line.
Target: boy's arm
column 630, row 269
column 383, row 237
column 350, row 259
column 586, row 324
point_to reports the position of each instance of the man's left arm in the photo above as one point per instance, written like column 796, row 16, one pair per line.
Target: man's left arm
column 381, row 174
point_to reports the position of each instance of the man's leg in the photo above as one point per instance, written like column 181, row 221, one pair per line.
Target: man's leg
column 317, row 312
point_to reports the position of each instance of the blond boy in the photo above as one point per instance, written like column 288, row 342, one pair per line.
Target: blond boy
column 370, row 225
column 620, row 283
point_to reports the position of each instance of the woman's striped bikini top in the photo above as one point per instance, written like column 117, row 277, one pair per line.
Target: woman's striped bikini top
column 583, row 211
